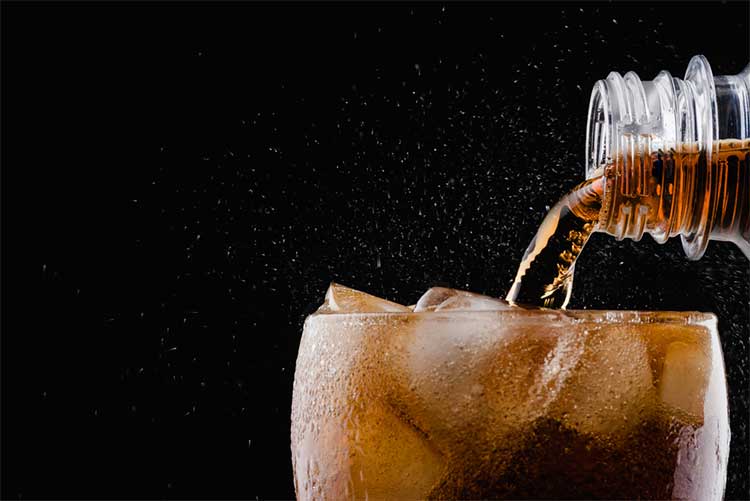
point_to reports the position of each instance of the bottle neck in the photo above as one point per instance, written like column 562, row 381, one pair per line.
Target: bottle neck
column 674, row 155
column 700, row 195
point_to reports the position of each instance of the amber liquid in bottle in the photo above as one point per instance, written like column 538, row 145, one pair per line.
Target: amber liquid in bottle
column 668, row 193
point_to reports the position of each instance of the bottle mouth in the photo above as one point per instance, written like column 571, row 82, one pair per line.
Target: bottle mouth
column 629, row 121
column 598, row 131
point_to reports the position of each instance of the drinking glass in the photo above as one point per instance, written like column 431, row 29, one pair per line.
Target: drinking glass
column 470, row 403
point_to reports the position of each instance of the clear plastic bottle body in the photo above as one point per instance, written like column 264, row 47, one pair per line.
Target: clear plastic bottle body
column 674, row 156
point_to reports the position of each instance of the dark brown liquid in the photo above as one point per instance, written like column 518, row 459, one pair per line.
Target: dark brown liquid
column 557, row 462
column 545, row 274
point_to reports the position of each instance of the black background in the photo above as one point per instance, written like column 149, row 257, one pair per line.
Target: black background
column 182, row 181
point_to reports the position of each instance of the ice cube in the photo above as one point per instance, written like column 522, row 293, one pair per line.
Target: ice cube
column 350, row 437
column 611, row 386
column 441, row 298
column 390, row 458
column 681, row 357
column 433, row 298
column 684, row 377
column 341, row 299
column 468, row 379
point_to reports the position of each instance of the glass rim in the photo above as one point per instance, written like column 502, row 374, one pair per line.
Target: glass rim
column 607, row 317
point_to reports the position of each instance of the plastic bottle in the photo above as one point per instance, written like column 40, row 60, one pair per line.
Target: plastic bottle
column 674, row 156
